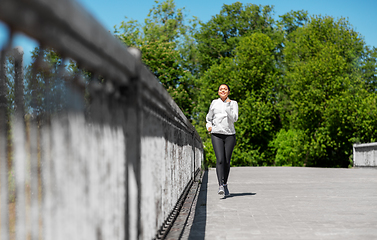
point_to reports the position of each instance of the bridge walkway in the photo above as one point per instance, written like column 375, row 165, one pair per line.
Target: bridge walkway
column 286, row 203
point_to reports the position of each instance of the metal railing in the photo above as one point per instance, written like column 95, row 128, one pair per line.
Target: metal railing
column 104, row 158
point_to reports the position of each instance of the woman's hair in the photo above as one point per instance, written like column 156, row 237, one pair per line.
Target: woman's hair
column 225, row 85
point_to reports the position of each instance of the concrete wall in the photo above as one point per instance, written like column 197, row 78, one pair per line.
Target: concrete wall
column 112, row 166
column 171, row 154
column 365, row 155
column 83, row 179
column 114, row 169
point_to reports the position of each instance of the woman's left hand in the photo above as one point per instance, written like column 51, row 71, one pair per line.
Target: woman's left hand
column 228, row 100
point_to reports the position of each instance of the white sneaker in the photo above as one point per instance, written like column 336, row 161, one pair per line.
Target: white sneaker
column 221, row 190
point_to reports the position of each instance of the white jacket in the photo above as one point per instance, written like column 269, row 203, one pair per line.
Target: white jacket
column 222, row 116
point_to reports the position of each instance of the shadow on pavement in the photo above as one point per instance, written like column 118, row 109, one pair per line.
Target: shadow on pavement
column 198, row 228
column 240, row 194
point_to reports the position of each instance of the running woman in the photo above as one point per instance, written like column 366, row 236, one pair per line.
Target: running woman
column 222, row 115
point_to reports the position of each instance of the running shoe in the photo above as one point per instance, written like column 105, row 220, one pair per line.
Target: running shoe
column 226, row 191
column 221, row 190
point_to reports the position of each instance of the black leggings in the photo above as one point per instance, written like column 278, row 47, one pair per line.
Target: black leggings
column 223, row 146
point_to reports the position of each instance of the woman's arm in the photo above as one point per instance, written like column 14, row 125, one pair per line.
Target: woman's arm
column 209, row 118
column 232, row 110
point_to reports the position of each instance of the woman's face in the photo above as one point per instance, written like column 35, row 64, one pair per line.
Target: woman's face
column 223, row 91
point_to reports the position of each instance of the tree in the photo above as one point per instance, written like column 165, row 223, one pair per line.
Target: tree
column 369, row 68
column 289, row 146
column 159, row 40
column 49, row 83
column 258, row 123
column 219, row 37
column 305, row 85
column 293, row 20
column 321, row 83
column 7, row 77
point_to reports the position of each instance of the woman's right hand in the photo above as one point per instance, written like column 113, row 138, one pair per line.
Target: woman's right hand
column 209, row 129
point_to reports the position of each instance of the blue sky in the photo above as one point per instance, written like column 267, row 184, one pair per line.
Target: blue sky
column 361, row 14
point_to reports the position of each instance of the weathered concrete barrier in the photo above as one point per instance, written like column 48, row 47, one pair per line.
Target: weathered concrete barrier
column 110, row 166
column 365, row 155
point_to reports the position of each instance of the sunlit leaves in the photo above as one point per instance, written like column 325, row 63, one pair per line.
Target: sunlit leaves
column 323, row 85
column 161, row 38
column 305, row 85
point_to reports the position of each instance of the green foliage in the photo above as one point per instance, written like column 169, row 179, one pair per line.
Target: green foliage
column 305, row 85
column 9, row 82
column 45, row 86
column 369, row 68
column 162, row 60
column 219, row 37
column 256, row 127
column 293, row 20
column 258, row 121
column 322, row 85
column 363, row 118
column 257, row 68
column 160, row 41
column 289, row 146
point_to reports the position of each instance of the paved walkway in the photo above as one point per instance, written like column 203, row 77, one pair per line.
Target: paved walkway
column 287, row 203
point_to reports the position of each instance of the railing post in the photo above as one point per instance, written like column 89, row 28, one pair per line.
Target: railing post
column 34, row 176
column 193, row 157
column 133, row 154
column 19, row 144
column 3, row 150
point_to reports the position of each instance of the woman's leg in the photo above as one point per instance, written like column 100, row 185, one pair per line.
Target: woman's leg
column 230, row 142
column 219, row 148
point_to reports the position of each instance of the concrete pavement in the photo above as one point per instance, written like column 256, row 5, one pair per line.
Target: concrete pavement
column 286, row 203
